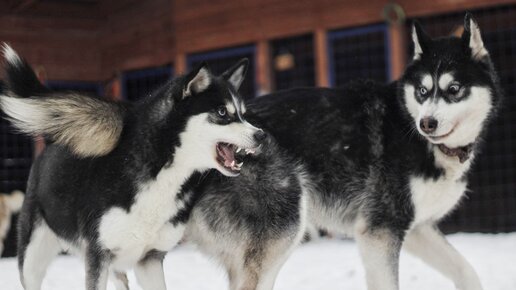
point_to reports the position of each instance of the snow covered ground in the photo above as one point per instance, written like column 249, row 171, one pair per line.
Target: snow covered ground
column 323, row 264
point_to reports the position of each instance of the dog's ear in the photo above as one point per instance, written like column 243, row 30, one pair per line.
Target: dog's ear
column 420, row 39
column 198, row 80
column 236, row 74
column 472, row 39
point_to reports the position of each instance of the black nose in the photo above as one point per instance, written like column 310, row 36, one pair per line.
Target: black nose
column 260, row 135
column 428, row 125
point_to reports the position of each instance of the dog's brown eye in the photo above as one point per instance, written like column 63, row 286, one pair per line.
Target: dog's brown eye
column 423, row 91
column 222, row 111
column 454, row 89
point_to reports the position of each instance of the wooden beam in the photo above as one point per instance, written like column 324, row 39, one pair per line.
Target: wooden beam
column 263, row 68
column 321, row 58
column 398, row 53
column 180, row 65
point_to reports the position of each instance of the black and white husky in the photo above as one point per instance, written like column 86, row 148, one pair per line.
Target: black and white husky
column 111, row 182
column 389, row 161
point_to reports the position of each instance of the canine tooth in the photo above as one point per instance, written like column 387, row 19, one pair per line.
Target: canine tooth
column 240, row 164
column 238, row 149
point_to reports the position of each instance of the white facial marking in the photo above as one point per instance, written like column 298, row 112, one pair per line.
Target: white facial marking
column 427, row 82
column 10, row 55
column 230, row 107
column 417, row 47
column 476, row 44
column 445, row 80
column 410, row 101
column 243, row 108
column 238, row 105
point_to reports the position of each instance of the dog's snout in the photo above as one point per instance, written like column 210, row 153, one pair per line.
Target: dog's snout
column 260, row 135
column 428, row 124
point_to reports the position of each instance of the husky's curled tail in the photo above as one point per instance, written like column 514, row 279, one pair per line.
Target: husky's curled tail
column 88, row 126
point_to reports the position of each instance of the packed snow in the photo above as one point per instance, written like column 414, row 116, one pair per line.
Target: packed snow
column 322, row 264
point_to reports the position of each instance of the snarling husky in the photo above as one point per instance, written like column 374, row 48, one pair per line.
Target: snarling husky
column 390, row 161
column 111, row 184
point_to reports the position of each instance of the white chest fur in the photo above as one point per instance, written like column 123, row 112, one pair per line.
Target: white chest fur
column 434, row 198
column 129, row 235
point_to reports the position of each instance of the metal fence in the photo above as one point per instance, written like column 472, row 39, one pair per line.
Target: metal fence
column 361, row 52
column 139, row 83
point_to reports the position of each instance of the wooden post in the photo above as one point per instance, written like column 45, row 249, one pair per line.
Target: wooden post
column 263, row 68
column 321, row 58
column 398, row 53
column 180, row 65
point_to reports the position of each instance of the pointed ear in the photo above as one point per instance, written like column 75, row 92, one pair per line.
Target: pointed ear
column 198, row 80
column 472, row 39
column 420, row 39
column 236, row 74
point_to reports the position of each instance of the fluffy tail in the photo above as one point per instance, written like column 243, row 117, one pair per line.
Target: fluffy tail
column 88, row 126
column 14, row 201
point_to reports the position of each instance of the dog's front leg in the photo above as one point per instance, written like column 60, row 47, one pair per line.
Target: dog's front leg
column 379, row 249
column 97, row 268
column 426, row 242
column 149, row 271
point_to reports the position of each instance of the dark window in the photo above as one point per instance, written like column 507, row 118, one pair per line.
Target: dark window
column 358, row 53
column 92, row 88
column 221, row 60
column 139, row 83
column 292, row 62
column 490, row 206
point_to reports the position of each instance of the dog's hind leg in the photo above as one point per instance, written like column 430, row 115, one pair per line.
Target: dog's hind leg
column 119, row 280
column 379, row 249
column 427, row 243
column 97, row 268
column 149, row 271
column 38, row 246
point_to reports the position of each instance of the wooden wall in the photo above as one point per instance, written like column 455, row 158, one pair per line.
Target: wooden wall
column 60, row 48
column 122, row 35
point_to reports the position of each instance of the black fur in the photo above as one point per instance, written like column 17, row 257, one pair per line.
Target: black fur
column 71, row 193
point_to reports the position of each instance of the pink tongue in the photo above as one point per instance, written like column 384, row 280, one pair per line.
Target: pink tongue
column 228, row 155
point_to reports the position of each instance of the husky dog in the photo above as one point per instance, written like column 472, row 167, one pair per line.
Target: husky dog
column 112, row 176
column 9, row 205
column 251, row 223
column 390, row 161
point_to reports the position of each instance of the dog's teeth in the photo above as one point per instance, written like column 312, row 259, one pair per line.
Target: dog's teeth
column 233, row 163
column 238, row 149
column 240, row 164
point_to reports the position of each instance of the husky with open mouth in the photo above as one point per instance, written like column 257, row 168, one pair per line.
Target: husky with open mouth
column 390, row 161
column 111, row 177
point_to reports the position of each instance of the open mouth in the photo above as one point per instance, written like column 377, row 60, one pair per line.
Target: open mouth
column 230, row 156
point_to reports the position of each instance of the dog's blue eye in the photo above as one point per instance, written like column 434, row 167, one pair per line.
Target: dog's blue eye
column 423, row 91
column 454, row 89
column 222, row 111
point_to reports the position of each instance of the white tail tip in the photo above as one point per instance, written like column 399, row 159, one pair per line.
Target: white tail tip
column 10, row 55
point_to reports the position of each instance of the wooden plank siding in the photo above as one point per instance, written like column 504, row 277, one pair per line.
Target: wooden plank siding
column 124, row 35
